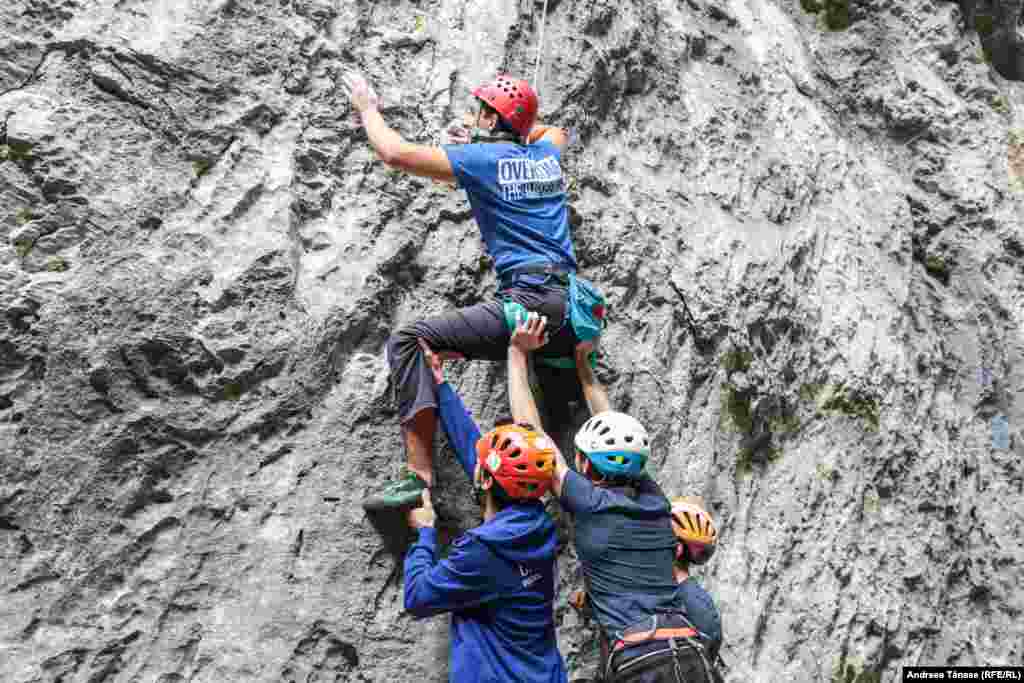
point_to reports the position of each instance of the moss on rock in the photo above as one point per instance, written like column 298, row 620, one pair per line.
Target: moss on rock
column 16, row 151
column 937, row 267
column 787, row 423
column 837, row 15
column 854, row 672
column 57, row 264
column 201, row 167
column 984, row 24
column 736, row 405
column 854, row 404
column 834, row 13
column 826, row 472
column 737, row 360
column 23, row 215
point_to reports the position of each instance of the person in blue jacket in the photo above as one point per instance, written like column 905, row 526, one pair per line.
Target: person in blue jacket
column 622, row 526
column 697, row 538
column 498, row 580
column 510, row 167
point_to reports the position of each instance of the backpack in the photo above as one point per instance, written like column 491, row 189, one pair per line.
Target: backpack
column 587, row 309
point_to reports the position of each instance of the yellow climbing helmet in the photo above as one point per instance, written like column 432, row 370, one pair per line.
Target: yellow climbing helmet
column 694, row 529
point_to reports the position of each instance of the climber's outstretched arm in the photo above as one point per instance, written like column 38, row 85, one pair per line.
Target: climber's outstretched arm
column 528, row 336
column 421, row 160
column 393, row 150
column 593, row 391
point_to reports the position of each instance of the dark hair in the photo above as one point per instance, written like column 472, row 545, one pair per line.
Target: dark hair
column 502, row 125
column 683, row 560
column 501, row 496
column 503, row 420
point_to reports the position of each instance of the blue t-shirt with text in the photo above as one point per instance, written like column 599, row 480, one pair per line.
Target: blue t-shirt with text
column 517, row 193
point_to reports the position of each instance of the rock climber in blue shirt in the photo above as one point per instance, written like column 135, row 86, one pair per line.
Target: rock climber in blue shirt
column 498, row 581
column 623, row 533
column 514, row 180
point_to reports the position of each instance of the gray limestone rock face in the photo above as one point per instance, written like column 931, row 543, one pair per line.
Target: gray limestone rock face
column 806, row 217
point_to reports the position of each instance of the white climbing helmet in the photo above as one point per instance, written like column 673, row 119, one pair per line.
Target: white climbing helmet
column 615, row 443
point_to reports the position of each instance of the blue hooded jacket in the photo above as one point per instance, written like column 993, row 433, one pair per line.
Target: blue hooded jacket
column 498, row 581
column 701, row 611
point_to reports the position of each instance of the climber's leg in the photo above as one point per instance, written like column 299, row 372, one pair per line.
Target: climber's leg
column 476, row 332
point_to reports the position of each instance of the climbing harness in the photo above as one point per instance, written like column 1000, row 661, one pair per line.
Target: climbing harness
column 667, row 636
column 586, row 308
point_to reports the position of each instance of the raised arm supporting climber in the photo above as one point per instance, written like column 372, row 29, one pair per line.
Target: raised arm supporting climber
column 513, row 178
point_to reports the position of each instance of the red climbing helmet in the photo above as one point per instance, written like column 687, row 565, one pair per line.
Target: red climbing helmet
column 513, row 99
column 520, row 459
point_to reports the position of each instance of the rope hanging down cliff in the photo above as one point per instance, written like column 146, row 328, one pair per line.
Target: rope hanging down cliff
column 540, row 49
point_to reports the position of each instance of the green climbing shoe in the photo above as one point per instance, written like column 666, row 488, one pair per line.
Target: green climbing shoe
column 406, row 493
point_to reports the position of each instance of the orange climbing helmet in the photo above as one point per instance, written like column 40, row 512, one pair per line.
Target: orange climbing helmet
column 520, row 459
column 513, row 99
column 695, row 531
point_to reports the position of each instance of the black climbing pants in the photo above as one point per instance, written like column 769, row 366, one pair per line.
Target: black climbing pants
column 480, row 333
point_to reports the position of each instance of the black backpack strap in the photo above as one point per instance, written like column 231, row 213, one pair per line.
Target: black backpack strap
column 602, row 669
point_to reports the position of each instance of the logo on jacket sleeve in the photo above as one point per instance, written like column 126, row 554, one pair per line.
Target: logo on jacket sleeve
column 530, row 576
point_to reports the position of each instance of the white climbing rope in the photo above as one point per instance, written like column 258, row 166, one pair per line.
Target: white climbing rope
column 540, row 51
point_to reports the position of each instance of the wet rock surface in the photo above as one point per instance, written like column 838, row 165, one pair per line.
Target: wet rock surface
column 806, row 217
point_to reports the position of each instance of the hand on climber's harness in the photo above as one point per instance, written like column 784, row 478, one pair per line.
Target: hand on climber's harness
column 422, row 517
column 530, row 334
column 579, row 602
column 436, row 360
column 360, row 92
column 435, row 363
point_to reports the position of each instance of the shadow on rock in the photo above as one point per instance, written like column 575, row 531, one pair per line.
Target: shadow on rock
column 394, row 531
